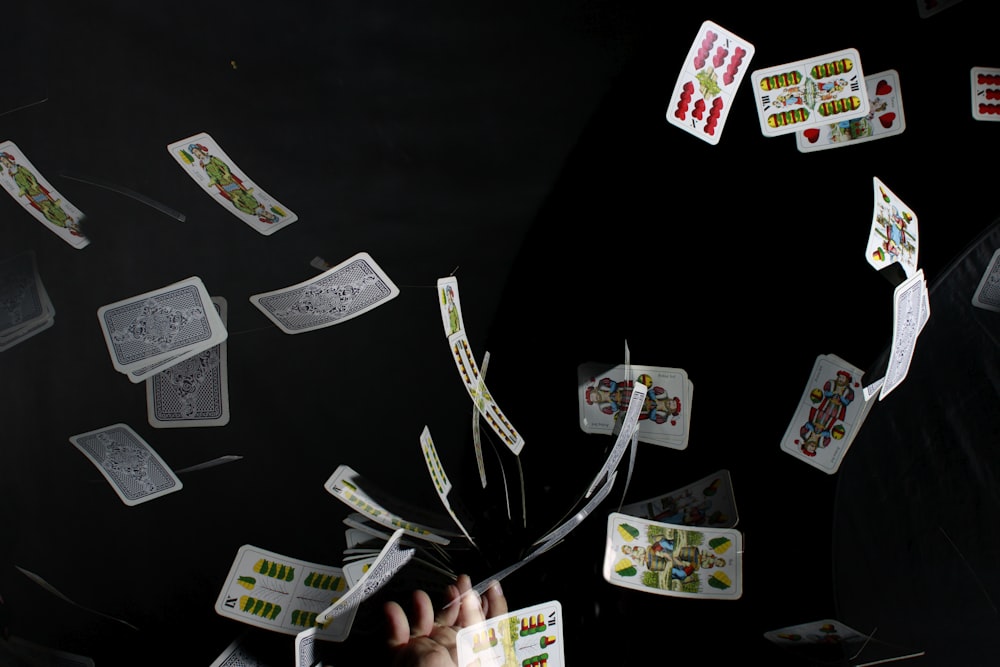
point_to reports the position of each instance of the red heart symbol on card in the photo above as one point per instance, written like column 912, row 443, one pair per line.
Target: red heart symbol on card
column 812, row 134
column 883, row 88
column 887, row 119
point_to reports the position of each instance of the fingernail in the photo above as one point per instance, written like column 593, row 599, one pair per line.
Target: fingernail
column 497, row 588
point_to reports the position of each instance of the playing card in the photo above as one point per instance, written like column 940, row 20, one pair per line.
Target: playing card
column 894, row 235
column 340, row 293
column 441, row 482
column 832, row 642
column 931, row 7
column 531, row 636
column 909, row 305
column 37, row 196
column 669, row 559
column 346, row 484
column 134, row 470
column 25, row 307
column 205, row 161
column 986, row 93
column 987, row 294
column 707, row 83
column 884, row 118
column 178, row 320
column 377, row 574
column 275, row 592
column 827, row 416
column 239, row 653
column 451, row 306
column 194, row 392
column 811, row 92
column 706, row 502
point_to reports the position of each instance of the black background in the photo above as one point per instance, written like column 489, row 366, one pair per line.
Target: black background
column 523, row 147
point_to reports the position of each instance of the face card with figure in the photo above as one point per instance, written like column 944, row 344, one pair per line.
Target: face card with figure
column 707, row 83
column 272, row 591
column 827, row 416
column 178, row 319
column 894, row 234
column 706, row 502
column 450, row 304
column 987, row 294
column 194, row 392
column 810, row 92
column 340, row 293
column 884, row 118
column 35, row 194
column 529, row 636
column 986, row 93
column 205, row 162
column 670, row 559
column 134, row 470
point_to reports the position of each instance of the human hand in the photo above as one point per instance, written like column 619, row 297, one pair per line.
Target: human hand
column 426, row 639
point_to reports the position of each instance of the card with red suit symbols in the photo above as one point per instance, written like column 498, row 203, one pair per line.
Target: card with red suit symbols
column 884, row 118
column 712, row 71
column 986, row 93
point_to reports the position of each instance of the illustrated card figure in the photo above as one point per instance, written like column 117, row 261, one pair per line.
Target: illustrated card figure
column 894, row 234
column 25, row 307
column 707, row 83
column 811, row 92
column 134, row 470
column 151, row 331
column 827, row 416
column 885, row 118
column 36, row 195
column 193, row 392
column 531, row 637
column 706, row 502
column 987, row 294
column 340, row 293
column 675, row 560
column 986, row 93
column 272, row 591
column 205, row 162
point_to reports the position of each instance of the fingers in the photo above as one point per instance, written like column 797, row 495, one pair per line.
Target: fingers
column 494, row 604
column 423, row 614
column 449, row 614
column 471, row 610
column 398, row 626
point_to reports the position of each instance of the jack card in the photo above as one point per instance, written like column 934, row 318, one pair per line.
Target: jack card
column 811, row 92
column 705, row 88
column 531, row 636
column 884, row 118
column 669, row 559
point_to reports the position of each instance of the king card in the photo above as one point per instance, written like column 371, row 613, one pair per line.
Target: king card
column 530, row 636
column 340, row 293
column 669, row 559
column 884, row 118
column 893, row 236
column 825, row 422
column 205, row 162
column 809, row 93
column 36, row 195
column 706, row 502
column 986, row 93
column 134, row 470
column 705, row 88
column 275, row 592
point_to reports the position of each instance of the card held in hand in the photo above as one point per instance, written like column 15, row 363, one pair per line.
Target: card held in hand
column 341, row 293
column 529, row 636
column 134, row 470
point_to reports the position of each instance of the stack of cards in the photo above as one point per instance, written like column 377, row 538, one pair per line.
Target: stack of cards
column 707, row 502
column 531, row 637
column 670, row 559
column 134, row 470
column 37, row 196
column 987, row 294
column 193, row 392
column 884, row 118
column 829, row 414
column 151, row 332
column 340, row 293
column 205, row 161
column 603, row 395
column 986, row 93
column 25, row 308
column 275, row 592
column 712, row 71
column 810, row 93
